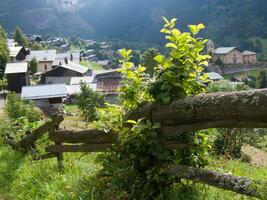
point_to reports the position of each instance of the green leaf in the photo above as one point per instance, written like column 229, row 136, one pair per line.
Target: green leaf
column 166, row 31
column 171, row 45
column 159, row 58
column 166, row 21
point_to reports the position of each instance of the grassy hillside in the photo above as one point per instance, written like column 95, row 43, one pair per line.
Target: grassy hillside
column 22, row 178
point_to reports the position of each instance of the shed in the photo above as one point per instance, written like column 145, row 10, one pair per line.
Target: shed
column 108, row 83
column 46, row 95
column 17, row 76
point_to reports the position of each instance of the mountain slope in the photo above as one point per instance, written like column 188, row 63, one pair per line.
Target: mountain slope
column 228, row 22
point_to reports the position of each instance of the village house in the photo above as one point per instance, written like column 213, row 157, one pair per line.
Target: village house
column 228, row 55
column 249, row 57
column 64, row 72
column 61, row 58
column 18, row 54
column 108, row 83
column 17, row 75
column 46, row 96
column 45, row 59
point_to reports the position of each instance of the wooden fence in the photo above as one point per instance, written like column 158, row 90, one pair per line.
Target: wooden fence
column 217, row 110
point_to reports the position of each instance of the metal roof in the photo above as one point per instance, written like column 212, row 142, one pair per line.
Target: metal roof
column 76, row 89
column 214, row 76
column 102, row 62
column 78, row 80
column 75, row 67
column 44, row 55
column 224, row 50
column 13, row 51
column 246, row 53
column 60, row 57
column 44, row 91
column 16, row 68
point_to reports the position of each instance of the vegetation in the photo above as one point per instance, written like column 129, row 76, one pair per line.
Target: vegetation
column 147, row 59
column 4, row 52
column 20, row 38
column 88, row 101
column 17, row 108
column 135, row 167
column 92, row 65
column 33, row 65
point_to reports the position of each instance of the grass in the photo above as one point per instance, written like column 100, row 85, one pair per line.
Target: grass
column 21, row 178
column 92, row 65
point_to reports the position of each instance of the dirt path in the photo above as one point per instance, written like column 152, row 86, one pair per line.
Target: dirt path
column 258, row 157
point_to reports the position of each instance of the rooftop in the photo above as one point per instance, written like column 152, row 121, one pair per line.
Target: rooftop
column 16, row 68
column 76, row 89
column 44, row 55
column 249, row 53
column 44, row 91
column 224, row 50
column 13, row 50
column 214, row 76
column 75, row 67
column 78, row 80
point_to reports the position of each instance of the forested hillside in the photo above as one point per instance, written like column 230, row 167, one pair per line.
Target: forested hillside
column 228, row 22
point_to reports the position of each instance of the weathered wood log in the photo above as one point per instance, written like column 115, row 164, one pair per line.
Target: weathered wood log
column 215, row 110
column 29, row 140
column 78, row 148
column 98, row 147
column 240, row 185
column 88, row 136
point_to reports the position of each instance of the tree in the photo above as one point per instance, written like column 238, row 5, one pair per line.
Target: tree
column 88, row 101
column 20, row 38
column 147, row 60
column 4, row 52
column 2, row 32
column 262, row 79
column 33, row 65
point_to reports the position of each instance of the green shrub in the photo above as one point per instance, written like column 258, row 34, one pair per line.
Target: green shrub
column 17, row 108
column 88, row 101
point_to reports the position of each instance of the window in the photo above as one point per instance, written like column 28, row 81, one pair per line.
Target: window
column 45, row 67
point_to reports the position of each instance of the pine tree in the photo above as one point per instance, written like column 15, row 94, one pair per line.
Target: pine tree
column 20, row 38
column 33, row 65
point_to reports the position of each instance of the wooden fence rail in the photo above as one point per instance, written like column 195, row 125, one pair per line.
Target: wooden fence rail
column 217, row 110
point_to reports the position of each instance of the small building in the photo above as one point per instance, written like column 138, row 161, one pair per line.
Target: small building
column 18, row 54
column 74, row 56
column 214, row 76
column 17, row 75
column 108, row 83
column 63, row 73
column 45, row 59
column 228, row 55
column 249, row 57
column 46, row 96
